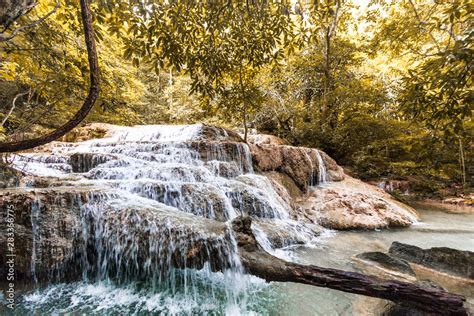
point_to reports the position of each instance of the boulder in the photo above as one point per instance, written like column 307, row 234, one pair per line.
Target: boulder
column 301, row 164
column 352, row 204
column 388, row 262
column 448, row 260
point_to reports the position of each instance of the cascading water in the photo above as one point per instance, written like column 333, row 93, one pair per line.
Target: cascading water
column 35, row 209
column 322, row 173
column 162, row 181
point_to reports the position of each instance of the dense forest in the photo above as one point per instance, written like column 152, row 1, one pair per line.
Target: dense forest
column 384, row 87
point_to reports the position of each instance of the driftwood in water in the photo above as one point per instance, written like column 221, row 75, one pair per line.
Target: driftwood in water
column 260, row 263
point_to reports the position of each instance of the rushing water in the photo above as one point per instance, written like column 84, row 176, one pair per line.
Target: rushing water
column 333, row 250
column 168, row 192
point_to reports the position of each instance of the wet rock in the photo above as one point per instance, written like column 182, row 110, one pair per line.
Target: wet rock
column 54, row 234
column 45, row 182
column 46, row 222
column 227, row 151
column 84, row 162
column 152, row 240
column 287, row 234
column 299, row 163
column 9, row 177
column 283, row 180
column 448, row 260
column 199, row 199
column 215, row 133
column 334, row 171
column 223, row 168
column 251, row 201
column 242, row 226
column 387, row 261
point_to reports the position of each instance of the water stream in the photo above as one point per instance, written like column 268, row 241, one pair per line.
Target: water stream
column 334, row 250
column 164, row 193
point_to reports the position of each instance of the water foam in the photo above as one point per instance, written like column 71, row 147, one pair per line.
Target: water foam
column 169, row 185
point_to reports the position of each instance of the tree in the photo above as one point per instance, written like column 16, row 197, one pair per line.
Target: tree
column 437, row 89
column 220, row 45
column 89, row 101
column 211, row 42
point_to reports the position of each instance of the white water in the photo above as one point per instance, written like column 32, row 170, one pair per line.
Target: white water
column 165, row 183
column 322, row 173
column 154, row 174
column 35, row 209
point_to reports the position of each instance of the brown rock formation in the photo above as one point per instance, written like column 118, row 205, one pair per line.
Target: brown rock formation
column 352, row 204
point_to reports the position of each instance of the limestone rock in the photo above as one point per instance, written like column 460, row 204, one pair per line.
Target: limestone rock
column 452, row 261
column 351, row 204
column 266, row 139
column 45, row 224
column 89, row 131
column 215, row 133
column 83, row 162
column 299, row 163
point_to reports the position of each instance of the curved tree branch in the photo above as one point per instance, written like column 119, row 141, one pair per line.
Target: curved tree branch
column 7, row 115
column 88, row 102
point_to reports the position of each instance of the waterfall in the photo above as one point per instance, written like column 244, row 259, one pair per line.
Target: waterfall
column 322, row 173
column 165, row 191
column 35, row 211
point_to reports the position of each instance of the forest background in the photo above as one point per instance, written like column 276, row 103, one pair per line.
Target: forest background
column 384, row 87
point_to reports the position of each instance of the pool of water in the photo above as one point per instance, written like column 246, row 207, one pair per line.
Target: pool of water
column 253, row 296
column 436, row 229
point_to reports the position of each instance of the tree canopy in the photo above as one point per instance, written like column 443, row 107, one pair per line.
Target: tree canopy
column 386, row 88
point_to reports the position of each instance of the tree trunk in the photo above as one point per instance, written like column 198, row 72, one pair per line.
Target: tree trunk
column 170, row 117
column 245, row 122
column 262, row 264
column 463, row 164
column 89, row 101
column 329, row 114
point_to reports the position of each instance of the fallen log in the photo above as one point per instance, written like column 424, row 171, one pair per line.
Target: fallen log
column 262, row 264
column 182, row 240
